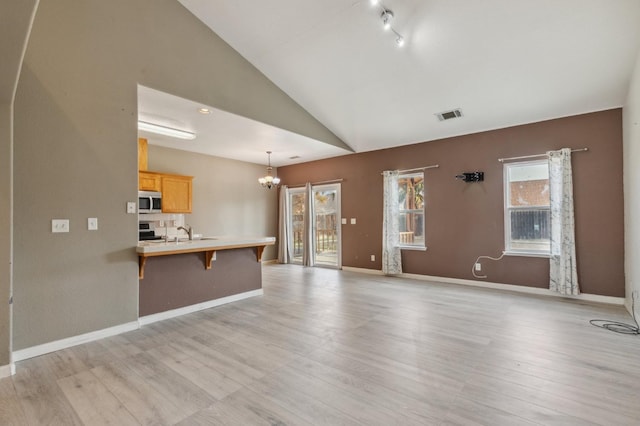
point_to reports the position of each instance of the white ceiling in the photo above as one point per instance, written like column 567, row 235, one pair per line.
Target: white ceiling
column 226, row 135
column 503, row 62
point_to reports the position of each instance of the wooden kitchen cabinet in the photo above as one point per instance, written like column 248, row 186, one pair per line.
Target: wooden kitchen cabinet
column 176, row 193
column 149, row 181
column 143, row 154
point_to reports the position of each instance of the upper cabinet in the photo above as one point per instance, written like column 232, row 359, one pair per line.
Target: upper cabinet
column 176, row 189
column 143, row 155
column 176, row 193
column 149, row 181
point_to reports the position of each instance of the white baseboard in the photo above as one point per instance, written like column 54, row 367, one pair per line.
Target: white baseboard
column 269, row 262
column 498, row 286
column 7, row 370
column 57, row 345
column 198, row 307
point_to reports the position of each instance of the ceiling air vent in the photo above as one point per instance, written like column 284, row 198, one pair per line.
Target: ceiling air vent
column 448, row 115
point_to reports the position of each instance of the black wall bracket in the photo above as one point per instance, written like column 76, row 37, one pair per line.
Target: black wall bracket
column 471, row 177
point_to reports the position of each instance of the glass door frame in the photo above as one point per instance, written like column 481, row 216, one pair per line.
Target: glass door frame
column 338, row 188
column 301, row 190
column 291, row 233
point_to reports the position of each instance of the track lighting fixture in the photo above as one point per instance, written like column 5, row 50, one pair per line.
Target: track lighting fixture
column 387, row 16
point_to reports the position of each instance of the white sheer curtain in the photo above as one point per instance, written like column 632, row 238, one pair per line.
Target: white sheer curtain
column 391, row 255
column 307, row 239
column 562, row 267
column 284, row 251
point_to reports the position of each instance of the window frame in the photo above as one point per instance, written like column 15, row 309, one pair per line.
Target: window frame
column 420, row 246
column 508, row 250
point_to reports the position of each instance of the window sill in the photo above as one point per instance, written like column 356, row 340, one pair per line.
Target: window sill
column 416, row 248
column 526, row 254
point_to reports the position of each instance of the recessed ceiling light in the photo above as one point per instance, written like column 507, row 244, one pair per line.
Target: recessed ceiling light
column 204, row 110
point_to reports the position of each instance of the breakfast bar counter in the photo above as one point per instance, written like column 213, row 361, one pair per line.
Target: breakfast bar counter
column 207, row 245
column 199, row 272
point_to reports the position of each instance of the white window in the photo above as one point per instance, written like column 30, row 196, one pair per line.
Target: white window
column 411, row 210
column 526, row 214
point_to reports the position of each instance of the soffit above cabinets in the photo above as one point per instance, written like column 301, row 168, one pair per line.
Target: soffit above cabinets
column 225, row 135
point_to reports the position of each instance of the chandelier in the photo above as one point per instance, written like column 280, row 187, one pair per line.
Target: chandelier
column 269, row 181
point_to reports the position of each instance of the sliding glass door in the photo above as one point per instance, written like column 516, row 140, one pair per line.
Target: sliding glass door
column 325, row 242
column 295, row 222
column 326, row 229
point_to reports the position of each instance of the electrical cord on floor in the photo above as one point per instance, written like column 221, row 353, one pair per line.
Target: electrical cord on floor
column 473, row 268
column 619, row 327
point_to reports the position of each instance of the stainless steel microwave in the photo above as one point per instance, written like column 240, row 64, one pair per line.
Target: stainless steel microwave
column 149, row 202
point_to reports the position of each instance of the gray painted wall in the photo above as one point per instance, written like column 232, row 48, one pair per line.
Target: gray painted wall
column 631, row 147
column 227, row 199
column 15, row 22
column 76, row 155
column 5, row 233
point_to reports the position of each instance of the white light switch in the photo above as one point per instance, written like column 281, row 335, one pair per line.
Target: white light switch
column 92, row 223
column 59, row 225
column 131, row 207
column 344, row 220
column 353, row 220
column 373, row 257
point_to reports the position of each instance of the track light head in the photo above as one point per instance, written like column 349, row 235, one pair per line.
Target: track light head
column 386, row 16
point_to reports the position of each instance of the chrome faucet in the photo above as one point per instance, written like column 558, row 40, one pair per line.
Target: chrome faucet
column 188, row 230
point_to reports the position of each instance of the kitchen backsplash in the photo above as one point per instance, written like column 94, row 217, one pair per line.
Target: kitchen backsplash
column 164, row 222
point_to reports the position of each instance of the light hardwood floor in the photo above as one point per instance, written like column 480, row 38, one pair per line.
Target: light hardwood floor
column 332, row 347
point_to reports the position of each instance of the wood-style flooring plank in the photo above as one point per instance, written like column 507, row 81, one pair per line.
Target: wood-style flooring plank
column 93, row 402
column 41, row 398
column 139, row 396
column 332, row 347
column 11, row 412
column 212, row 381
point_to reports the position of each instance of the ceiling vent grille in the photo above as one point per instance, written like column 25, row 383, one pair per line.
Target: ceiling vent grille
column 449, row 115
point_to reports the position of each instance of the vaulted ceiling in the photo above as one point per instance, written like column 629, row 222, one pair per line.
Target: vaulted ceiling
column 503, row 62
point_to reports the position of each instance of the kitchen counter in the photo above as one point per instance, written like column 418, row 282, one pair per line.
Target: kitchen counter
column 207, row 245
column 186, row 276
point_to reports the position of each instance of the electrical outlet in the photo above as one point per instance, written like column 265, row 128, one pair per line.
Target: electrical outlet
column 344, row 220
column 59, row 225
column 373, row 257
column 92, row 223
column 131, row 207
column 478, row 267
column 353, row 220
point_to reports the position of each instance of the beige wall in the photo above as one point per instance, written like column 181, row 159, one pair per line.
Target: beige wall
column 5, row 233
column 15, row 23
column 227, row 199
column 631, row 126
column 75, row 148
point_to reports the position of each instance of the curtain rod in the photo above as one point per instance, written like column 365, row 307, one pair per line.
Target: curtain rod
column 502, row 160
column 317, row 183
column 435, row 166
